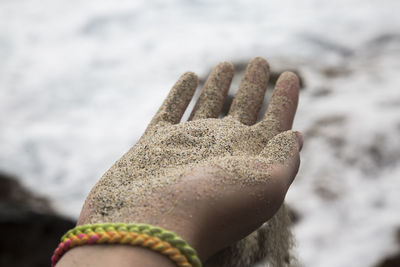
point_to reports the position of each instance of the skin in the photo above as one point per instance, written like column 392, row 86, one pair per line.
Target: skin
column 205, row 212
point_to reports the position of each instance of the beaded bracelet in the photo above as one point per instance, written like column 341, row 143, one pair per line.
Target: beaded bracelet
column 144, row 235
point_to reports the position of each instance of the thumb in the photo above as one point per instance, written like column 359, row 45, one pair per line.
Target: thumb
column 282, row 152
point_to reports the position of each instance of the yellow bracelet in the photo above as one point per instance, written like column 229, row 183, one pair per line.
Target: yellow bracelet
column 144, row 235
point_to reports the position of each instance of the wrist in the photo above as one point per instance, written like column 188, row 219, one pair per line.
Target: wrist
column 146, row 236
column 113, row 255
column 184, row 222
column 175, row 209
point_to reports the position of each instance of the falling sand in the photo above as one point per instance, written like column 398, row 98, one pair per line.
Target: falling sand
column 242, row 149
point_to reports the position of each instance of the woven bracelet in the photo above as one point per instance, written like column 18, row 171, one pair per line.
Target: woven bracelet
column 144, row 235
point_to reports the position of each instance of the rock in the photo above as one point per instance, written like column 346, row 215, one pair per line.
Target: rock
column 392, row 261
column 336, row 72
column 294, row 214
column 322, row 92
column 30, row 228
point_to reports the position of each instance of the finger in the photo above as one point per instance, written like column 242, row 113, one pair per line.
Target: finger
column 282, row 106
column 213, row 94
column 249, row 98
column 282, row 152
column 175, row 104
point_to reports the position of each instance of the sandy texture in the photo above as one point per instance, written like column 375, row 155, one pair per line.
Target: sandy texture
column 213, row 95
column 159, row 160
column 168, row 150
column 250, row 96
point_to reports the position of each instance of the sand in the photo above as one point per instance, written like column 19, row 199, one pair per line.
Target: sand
column 169, row 149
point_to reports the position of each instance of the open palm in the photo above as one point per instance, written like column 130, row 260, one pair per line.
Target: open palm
column 212, row 180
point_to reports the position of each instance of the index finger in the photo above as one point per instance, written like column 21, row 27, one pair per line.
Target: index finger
column 178, row 99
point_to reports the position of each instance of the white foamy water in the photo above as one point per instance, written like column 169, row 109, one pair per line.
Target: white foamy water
column 80, row 80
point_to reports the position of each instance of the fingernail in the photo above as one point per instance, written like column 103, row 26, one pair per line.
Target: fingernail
column 300, row 140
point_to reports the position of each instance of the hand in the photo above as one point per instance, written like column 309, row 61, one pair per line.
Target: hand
column 212, row 181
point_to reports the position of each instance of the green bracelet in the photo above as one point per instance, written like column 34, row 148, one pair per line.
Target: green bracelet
column 144, row 235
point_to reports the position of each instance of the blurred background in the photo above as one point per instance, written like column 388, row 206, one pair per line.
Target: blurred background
column 80, row 80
